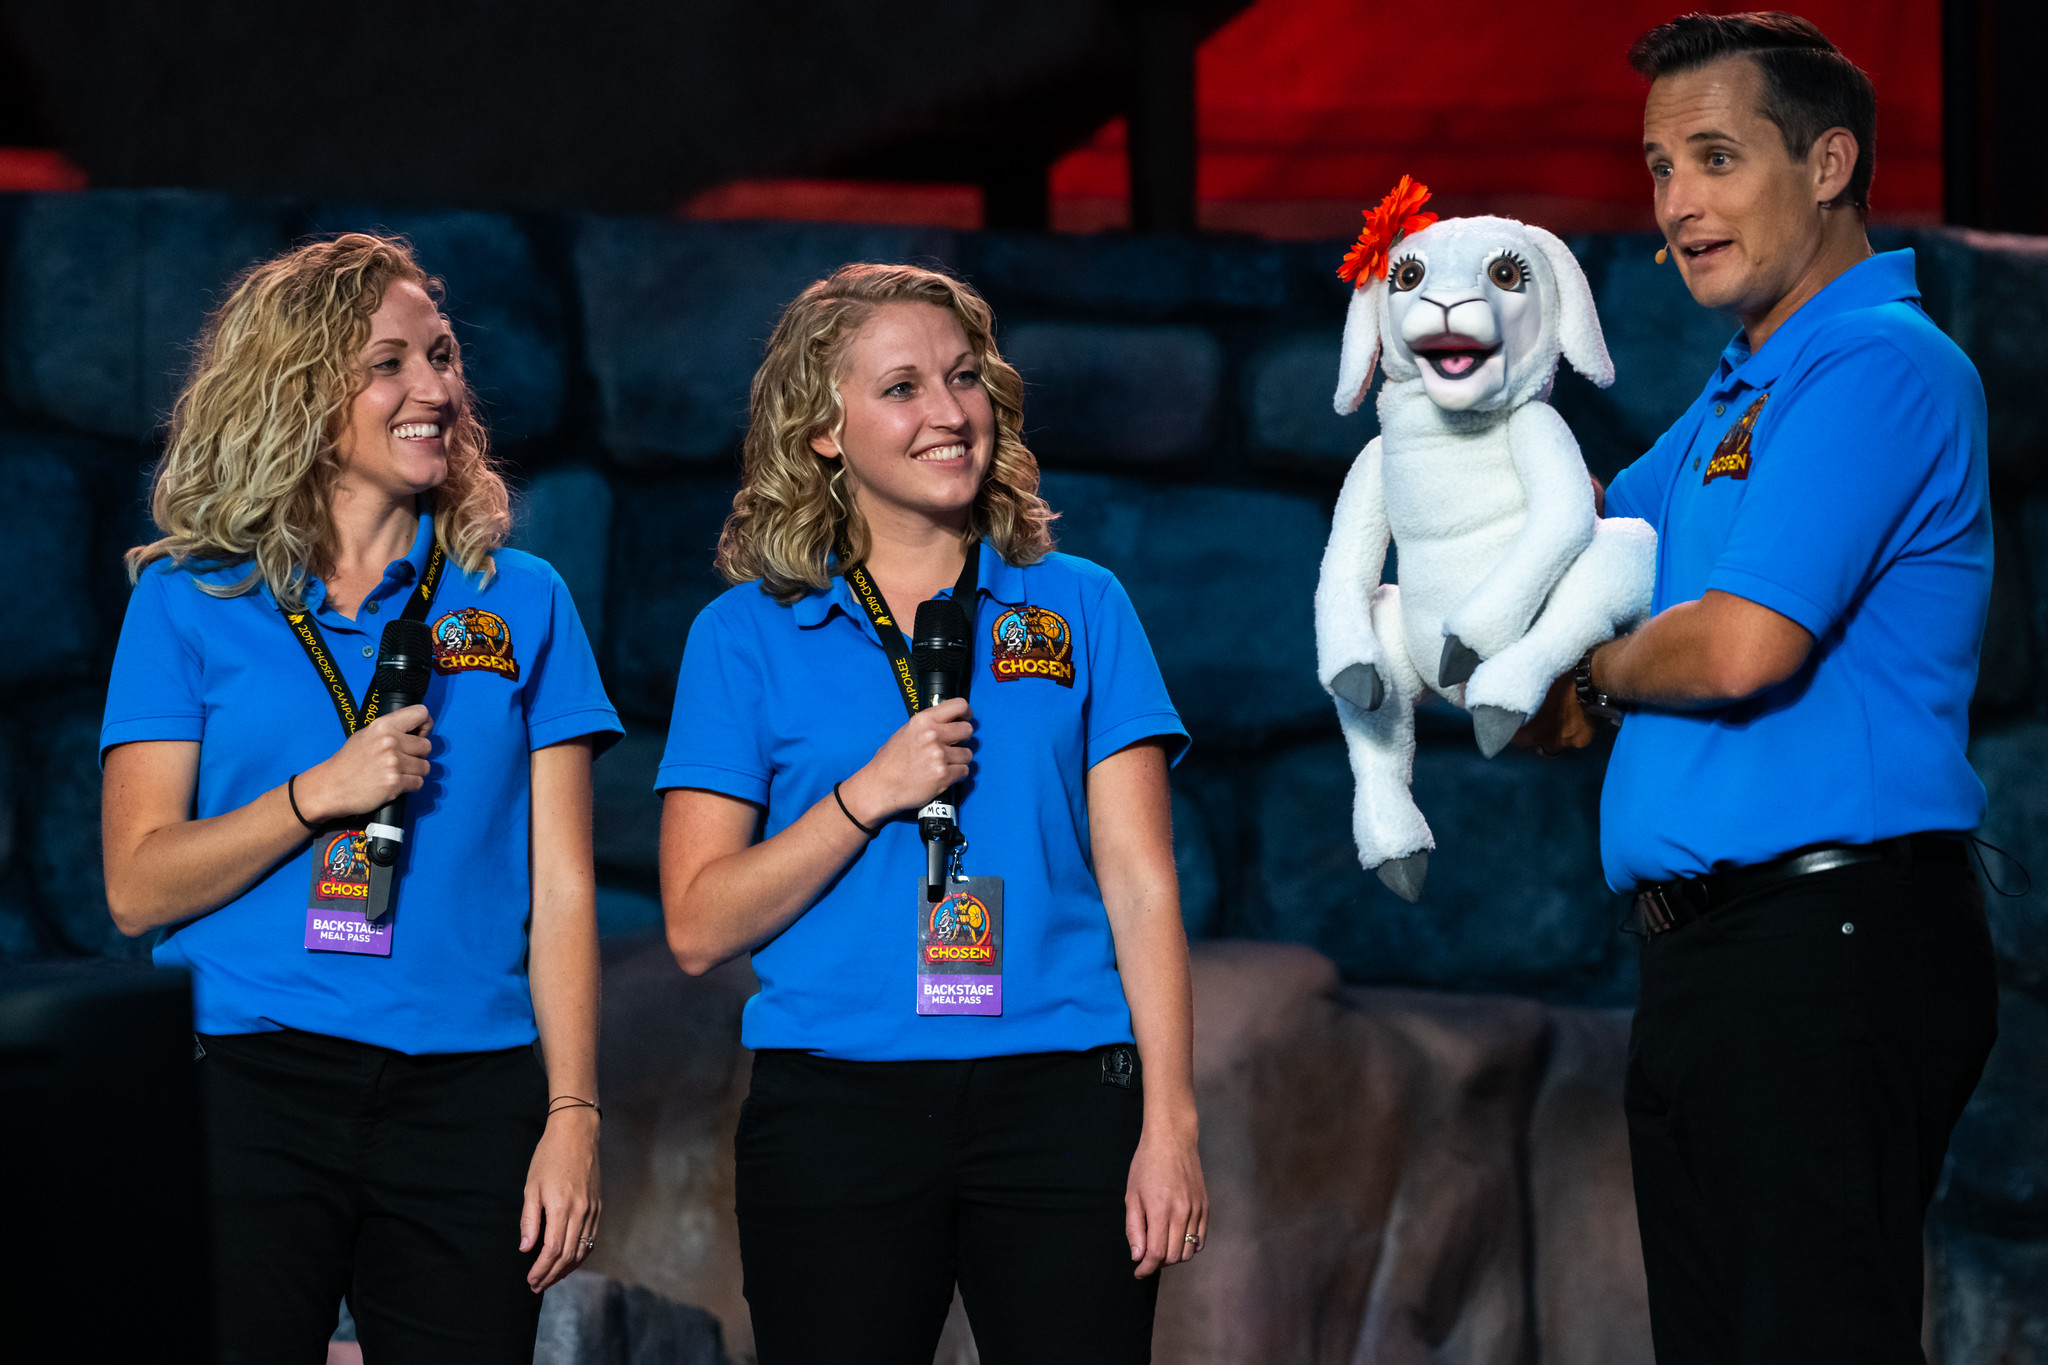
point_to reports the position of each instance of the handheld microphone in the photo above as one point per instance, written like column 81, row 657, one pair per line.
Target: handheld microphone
column 938, row 650
column 938, row 665
column 405, row 661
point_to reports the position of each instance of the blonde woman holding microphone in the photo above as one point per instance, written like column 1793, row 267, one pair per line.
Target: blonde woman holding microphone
column 991, row 1086
column 380, row 1124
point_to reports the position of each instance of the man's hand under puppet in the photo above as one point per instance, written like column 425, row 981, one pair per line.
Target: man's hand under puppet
column 1694, row 656
column 1560, row 724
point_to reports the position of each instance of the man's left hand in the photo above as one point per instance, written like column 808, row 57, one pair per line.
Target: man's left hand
column 1559, row 724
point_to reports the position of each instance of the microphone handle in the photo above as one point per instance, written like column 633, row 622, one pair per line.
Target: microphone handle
column 941, row 832
column 386, row 827
column 383, row 848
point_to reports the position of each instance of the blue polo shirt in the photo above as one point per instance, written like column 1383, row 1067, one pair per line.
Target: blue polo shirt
column 229, row 673
column 1838, row 477
column 774, row 704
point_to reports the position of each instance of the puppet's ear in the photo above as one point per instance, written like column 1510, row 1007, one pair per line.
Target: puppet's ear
column 1361, row 347
column 1578, row 325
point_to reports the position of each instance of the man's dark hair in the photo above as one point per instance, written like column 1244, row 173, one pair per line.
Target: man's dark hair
column 1809, row 86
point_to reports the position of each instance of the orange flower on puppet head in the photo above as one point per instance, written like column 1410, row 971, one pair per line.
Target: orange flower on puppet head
column 1397, row 215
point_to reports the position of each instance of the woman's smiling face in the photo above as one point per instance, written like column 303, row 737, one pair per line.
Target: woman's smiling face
column 395, row 442
column 918, row 432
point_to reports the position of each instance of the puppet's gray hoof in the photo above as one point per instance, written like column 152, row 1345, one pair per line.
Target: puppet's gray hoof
column 1458, row 663
column 1405, row 876
column 1360, row 685
column 1493, row 727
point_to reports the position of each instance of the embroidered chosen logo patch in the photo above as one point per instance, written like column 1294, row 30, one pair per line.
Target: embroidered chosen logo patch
column 471, row 639
column 345, row 866
column 959, row 930
column 1731, row 457
column 1031, row 642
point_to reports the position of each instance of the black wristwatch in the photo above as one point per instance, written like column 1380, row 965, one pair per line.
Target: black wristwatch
column 1592, row 701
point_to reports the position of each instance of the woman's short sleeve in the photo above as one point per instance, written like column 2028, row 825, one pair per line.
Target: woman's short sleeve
column 716, row 737
column 1127, row 698
column 565, row 697
column 156, row 688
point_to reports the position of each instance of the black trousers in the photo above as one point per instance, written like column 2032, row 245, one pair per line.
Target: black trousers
column 866, row 1189
column 1798, row 1060
column 339, row 1169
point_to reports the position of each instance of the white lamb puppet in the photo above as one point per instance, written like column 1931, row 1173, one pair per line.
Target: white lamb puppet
column 1507, row 576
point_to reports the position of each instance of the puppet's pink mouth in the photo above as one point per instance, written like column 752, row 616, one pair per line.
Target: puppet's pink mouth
column 1453, row 355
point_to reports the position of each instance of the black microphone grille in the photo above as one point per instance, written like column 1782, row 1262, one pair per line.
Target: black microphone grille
column 939, row 640
column 942, row 623
column 405, row 658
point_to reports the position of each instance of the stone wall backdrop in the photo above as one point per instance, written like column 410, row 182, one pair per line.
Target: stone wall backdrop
column 1179, row 400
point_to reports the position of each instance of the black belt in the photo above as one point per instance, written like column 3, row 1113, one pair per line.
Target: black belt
column 1664, row 906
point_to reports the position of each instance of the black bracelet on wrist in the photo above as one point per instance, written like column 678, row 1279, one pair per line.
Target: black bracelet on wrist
column 292, row 795
column 561, row 1102
column 1593, row 701
column 871, row 833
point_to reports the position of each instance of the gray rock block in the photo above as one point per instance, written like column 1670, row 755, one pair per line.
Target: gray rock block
column 661, row 1331
column 1997, row 1180
column 2033, row 523
column 565, row 517
column 1990, row 1299
column 10, row 770
column 46, row 526
column 106, row 293
column 1989, row 291
column 1194, row 860
column 508, row 315
column 623, row 912
column 678, row 316
column 626, row 812
column 2011, row 762
column 1135, row 276
column 62, row 829
column 590, row 1320
column 1116, row 392
column 21, row 938
column 2008, row 673
column 1224, row 581
column 1514, row 901
column 663, row 538
column 578, row 1321
column 1288, row 396
column 1664, row 345
column 1592, row 1300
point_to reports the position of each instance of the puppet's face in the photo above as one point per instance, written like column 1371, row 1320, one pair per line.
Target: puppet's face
column 1468, row 310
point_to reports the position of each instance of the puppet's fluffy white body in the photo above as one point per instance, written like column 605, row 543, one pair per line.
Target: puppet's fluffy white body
column 1492, row 511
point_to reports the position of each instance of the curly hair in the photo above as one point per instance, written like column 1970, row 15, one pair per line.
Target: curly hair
column 792, row 510
column 252, row 459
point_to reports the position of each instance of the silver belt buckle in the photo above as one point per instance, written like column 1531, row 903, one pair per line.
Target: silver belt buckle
column 1655, row 908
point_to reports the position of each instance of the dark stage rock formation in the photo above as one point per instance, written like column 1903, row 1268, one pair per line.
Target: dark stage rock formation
column 1179, row 399
column 1394, row 1175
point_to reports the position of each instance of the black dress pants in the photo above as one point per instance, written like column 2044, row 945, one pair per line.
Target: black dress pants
column 866, row 1189
column 1798, row 1060
column 339, row 1169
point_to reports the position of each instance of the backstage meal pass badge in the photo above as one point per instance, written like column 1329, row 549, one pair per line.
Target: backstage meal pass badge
column 335, row 922
column 960, row 948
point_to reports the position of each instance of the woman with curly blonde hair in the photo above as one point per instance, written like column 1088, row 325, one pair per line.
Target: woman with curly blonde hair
column 947, row 1080
column 378, row 1124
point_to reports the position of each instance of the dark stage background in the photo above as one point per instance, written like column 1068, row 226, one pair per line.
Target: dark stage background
column 1179, row 399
